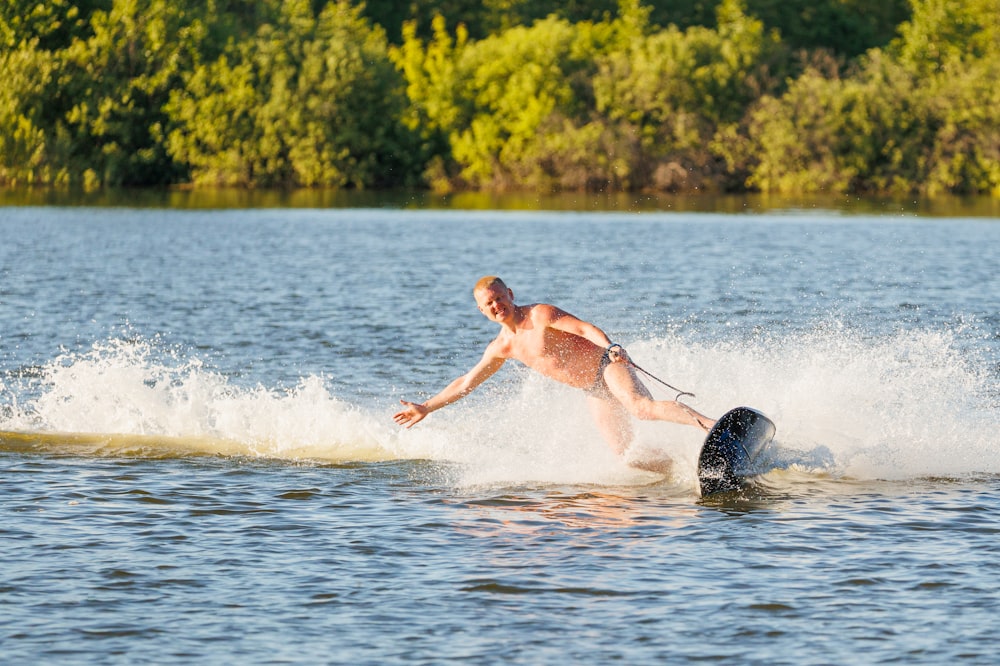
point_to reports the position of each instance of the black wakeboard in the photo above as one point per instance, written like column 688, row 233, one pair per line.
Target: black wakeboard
column 731, row 448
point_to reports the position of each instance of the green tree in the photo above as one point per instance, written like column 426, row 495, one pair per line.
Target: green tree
column 952, row 47
column 26, row 72
column 433, row 110
column 948, row 33
column 117, row 83
column 921, row 116
column 309, row 101
column 90, row 113
column 50, row 25
column 507, row 105
column 479, row 18
column 515, row 82
column 672, row 90
column 845, row 27
column 530, row 94
column 612, row 104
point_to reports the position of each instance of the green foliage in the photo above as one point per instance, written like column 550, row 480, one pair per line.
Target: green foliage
column 309, row 101
column 88, row 114
column 711, row 75
column 845, row 27
column 509, row 86
column 965, row 154
column 47, row 25
column 953, row 48
column 119, row 80
column 606, row 105
column 831, row 135
column 26, row 72
column 943, row 34
column 535, row 94
column 673, row 89
column 433, row 110
column 231, row 21
column 512, row 108
column 430, row 73
column 479, row 18
column 502, row 15
column 927, row 120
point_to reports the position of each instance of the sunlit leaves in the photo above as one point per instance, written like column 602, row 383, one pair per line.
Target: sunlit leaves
column 503, row 94
column 921, row 116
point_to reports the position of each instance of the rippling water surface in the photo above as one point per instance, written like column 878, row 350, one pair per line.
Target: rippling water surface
column 198, row 462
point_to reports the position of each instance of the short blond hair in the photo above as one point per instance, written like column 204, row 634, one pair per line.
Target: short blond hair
column 488, row 282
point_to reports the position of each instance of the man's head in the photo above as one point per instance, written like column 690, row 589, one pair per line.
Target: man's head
column 486, row 282
column 494, row 299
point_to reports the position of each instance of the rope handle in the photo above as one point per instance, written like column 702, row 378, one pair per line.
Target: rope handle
column 680, row 393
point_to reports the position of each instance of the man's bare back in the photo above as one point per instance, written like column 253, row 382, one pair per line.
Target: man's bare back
column 566, row 349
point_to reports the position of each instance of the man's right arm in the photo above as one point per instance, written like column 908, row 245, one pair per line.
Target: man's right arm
column 413, row 413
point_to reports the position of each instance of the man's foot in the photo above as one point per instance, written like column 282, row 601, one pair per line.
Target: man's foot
column 658, row 465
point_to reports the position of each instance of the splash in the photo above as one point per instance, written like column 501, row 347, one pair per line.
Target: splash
column 133, row 397
column 905, row 405
column 847, row 404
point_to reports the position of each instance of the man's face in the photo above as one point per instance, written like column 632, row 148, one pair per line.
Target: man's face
column 496, row 303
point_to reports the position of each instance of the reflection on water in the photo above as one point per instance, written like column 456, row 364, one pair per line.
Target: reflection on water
column 592, row 510
column 526, row 201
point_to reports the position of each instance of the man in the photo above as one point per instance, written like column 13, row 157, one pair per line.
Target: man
column 564, row 348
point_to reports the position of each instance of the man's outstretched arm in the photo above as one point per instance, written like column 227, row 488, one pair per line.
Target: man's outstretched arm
column 412, row 413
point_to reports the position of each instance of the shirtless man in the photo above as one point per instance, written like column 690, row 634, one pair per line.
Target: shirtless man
column 564, row 348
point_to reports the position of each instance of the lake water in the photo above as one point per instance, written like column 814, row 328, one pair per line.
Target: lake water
column 211, row 473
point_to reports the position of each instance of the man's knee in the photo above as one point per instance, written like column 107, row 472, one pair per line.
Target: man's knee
column 644, row 411
column 640, row 408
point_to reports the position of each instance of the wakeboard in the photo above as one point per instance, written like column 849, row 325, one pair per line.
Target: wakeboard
column 731, row 448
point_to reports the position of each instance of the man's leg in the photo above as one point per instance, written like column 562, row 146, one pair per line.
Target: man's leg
column 612, row 421
column 636, row 399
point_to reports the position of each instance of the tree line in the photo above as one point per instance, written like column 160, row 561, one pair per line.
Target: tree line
column 785, row 96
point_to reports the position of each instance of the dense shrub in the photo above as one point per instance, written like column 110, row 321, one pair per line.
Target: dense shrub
column 923, row 115
column 504, row 94
column 308, row 101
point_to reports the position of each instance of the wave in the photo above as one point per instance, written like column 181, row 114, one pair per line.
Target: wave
column 898, row 406
column 131, row 397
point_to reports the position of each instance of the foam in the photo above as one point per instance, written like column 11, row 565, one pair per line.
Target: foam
column 909, row 404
